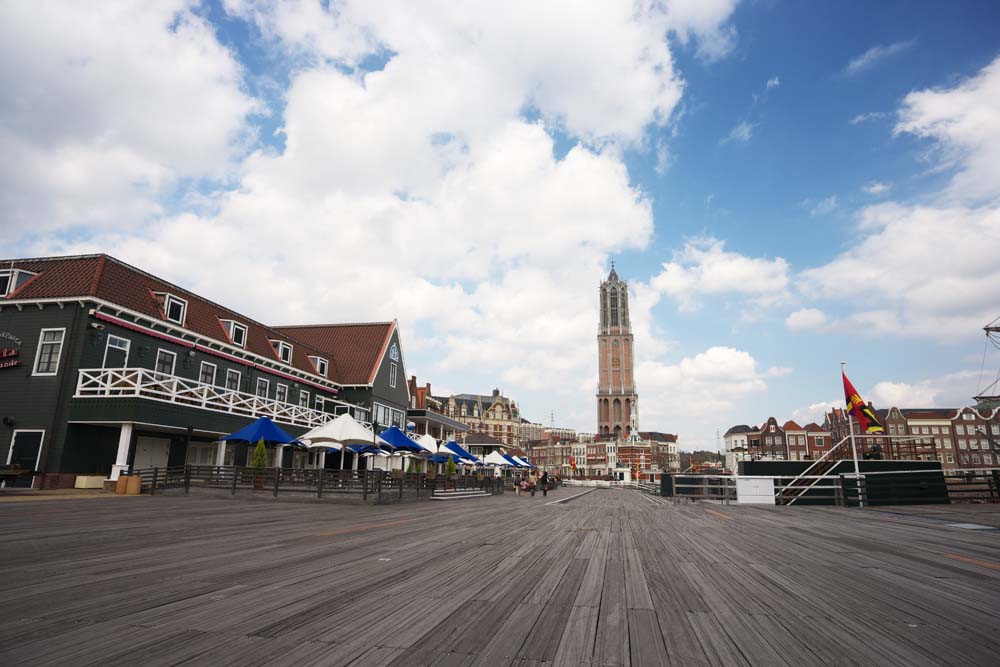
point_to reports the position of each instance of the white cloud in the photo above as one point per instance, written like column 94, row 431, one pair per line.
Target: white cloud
column 806, row 319
column 929, row 269
column 779, row 371
column 964, row 123
column 706, row 384
column 815, row 412
column 773, row 82
column 704, row 267
column 705, row 22
column 741, row 132
column 418, row 191
column 108, row 107
column 947, row 391
column 824, row 206
column 875, row 55
column 865, row 117
column 877, row 187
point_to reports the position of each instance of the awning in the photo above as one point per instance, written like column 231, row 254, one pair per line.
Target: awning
column 262, row 429
column 511, row 461
column 458, row 449
column 401, row 442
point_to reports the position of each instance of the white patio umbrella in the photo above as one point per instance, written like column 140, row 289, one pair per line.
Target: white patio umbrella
column 339, row 432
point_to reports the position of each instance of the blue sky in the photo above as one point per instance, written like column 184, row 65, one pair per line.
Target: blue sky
column 785, row 185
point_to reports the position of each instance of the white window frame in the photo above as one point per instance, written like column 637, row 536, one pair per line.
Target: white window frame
column 320, row 361
column 393, row 371
column 38, row 352
column 167, row 298
column 215, row 372
column 968, row 416
column 231, row 326
column 278, row 387
column 303, row 398
column 13, row 277
column 239, row 379
column 256, row 387
column 279, row 346
column 156, row 361
column 318, row 404
column 107, row 346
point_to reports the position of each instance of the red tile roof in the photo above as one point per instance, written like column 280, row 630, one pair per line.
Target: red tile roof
column 112, row 280
column 354, row 350
column 476, row 438
column 813, row 427
column 791, row 426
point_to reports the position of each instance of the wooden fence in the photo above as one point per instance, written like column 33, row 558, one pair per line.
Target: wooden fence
column 373, row 485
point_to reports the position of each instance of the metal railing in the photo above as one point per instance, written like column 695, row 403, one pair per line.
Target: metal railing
column 154, row 386
column 373, row 485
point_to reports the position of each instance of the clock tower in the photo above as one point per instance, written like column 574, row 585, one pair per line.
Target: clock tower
column 617, row 401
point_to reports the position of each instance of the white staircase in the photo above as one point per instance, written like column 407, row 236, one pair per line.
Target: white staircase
column 459, row 494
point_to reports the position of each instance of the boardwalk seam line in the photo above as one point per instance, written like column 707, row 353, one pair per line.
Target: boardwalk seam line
column 563, row 500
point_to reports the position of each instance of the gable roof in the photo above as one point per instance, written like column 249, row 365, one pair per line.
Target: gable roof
column 813, row 427
column 354, row 351
column 656, row 436
column 109, row 279
column 476, row 438
column 791, row 426
column 739, row 428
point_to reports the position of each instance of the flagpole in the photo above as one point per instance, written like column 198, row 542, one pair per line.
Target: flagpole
column 854, row 449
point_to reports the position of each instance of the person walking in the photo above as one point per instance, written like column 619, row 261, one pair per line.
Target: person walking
column 532, row 482
column 545, row 483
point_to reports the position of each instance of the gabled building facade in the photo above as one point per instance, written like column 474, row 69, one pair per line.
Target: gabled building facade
column 495, row 415
column 104, row 366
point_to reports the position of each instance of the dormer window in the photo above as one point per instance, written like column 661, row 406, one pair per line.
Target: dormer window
column 11, row 279
column 321, row 365
column 174, row 307
column 237, row 332
column 283, row 349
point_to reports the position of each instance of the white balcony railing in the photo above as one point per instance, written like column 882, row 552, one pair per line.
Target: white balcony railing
column 154, row 386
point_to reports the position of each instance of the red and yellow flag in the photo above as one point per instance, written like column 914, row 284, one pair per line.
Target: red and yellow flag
column 865, row 415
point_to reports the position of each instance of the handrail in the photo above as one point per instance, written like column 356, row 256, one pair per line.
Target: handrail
column 152, row 385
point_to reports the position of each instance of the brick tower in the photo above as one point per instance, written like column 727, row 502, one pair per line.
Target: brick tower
column 617, row 401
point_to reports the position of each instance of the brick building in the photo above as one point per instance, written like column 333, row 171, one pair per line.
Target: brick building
column 495, row 415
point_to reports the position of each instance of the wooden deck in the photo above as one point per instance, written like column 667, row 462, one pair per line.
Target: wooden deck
column 611, row 578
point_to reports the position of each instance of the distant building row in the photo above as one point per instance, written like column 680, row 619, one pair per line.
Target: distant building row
column 959, row 438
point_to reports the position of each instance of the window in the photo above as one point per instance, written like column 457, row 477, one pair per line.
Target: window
column 281, row 393
column 973, row 444
column 175, row 309
column 233, row 380
column 283, row 349
column 965, row 459
column 975, row 458
column 11, row 279
column 961, row 443
column 304, row 399
column 320, row 364
column 995, row 429
column 949, row 458
column 50, row 344
column 392, row 375
column 968, row 416
column 262, row 387
column 207, row 373
column 988, row 458
column 960, row 429
column 947, row 443
column 237, row 332
column 165, row 362
column 319, row 403
column 120, row 344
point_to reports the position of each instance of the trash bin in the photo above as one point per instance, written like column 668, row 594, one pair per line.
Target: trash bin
column 121, row 485
column 134, row 485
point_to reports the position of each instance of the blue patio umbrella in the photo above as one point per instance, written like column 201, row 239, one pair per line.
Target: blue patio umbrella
column 364, row 449
column 442, row 458
column 401, row 442
column 262, row 429
column 461, row 451
column 512, row 461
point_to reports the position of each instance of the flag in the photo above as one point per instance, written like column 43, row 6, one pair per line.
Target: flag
column 865, row 415
column 572, row 462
